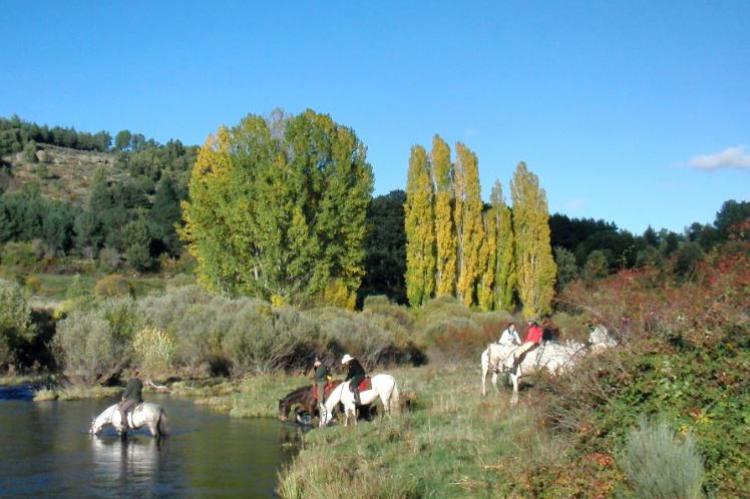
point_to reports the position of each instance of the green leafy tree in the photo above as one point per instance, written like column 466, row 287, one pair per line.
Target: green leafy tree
column 279, row 216
column 138, row 246
column 472, row 230
column 535, row 264
column 445, row 233
column 420, row 229
column 596, row 267
column 164, row 214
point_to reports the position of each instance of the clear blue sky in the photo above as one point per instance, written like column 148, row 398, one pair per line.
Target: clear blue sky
column 635, row 112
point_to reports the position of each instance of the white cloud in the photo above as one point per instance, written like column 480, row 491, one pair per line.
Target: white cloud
column 574, row 205
column 731, row 157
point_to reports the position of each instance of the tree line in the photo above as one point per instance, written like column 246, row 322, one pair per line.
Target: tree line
column 458, row 246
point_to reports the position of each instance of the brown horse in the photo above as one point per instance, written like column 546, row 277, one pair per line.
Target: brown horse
column 301, row 402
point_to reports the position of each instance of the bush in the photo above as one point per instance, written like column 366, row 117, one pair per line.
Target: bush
column 659, row 465
column 113, row 286
column 155, row 351
column 19, row 254
column 15, row 322
column 94, row 344
column 86, row 346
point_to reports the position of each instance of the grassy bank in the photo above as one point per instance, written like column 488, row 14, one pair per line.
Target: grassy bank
column 451, row 443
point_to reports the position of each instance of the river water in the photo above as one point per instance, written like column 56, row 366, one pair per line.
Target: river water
column 45, row 450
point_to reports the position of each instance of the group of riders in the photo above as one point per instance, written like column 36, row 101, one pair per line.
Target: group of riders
column 321, row 374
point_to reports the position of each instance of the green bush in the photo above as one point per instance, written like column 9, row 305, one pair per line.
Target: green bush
column 112, row 286
column 155, row 351
column 660, row 465
column 15, row 322
column 92, row 343
column 19, row 254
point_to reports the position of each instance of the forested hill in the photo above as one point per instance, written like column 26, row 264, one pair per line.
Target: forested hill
column 64, row 162
column 69, row 193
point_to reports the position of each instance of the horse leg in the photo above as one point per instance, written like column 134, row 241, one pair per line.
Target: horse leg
column 485, row 368
column 494, row 381
column 514, row 376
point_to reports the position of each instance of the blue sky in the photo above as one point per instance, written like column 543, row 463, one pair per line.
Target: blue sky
column 635, row 112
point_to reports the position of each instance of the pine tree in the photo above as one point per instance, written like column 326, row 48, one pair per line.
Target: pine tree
column 420, row 229
column 472, row 230
column 445, row 234
column 535, row 265
column 505, row 270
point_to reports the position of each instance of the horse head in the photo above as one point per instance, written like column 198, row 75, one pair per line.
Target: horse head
column 95, row 427
column 284, row 408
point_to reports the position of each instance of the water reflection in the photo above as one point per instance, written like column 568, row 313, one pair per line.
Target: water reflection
column 133, row 459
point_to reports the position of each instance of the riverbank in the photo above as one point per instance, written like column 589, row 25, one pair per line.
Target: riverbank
column 450, row 442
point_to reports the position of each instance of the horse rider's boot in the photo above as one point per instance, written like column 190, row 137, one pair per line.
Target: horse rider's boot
column 356, row 397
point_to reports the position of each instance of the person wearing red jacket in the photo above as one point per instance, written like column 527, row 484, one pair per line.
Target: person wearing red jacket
column 533, row 339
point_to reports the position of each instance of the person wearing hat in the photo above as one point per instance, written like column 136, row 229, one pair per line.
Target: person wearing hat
column 354, row 375
column 533, row 339
column 320, row 376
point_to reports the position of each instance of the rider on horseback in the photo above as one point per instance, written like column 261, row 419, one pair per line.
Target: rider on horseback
column 355, row 375
column 533, row 339
column 131, row 397
column 320, row 376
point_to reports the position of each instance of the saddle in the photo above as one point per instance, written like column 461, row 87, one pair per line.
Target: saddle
column 327, row 389
column 365, row 384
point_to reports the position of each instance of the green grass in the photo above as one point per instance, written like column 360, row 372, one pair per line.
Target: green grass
column 452, row 443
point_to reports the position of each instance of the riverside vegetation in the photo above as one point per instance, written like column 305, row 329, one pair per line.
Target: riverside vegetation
column 676, row 389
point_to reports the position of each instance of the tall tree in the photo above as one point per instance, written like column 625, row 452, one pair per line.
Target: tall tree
column 420, row 229
column 281, row 217
column 488, row 262
column 472, row 230
column 505, row 269
column 535, row 265
column 445, row 233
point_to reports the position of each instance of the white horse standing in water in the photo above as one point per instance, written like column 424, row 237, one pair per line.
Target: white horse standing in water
column 144, row 414
column 383, row 386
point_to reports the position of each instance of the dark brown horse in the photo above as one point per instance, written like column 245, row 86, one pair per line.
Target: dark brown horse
column 301, row 402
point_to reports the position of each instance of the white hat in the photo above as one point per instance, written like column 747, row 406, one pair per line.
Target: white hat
column 346, row 358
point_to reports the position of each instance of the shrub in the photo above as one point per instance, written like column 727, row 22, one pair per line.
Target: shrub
column 155, row 351
column 112, row 286
column 15, row 322
column 19, row 254
column 33, row 284
column 86, row 346
column 659, row 465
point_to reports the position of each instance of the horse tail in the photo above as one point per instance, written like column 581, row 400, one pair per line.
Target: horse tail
column 394, row 402
column 161, row 424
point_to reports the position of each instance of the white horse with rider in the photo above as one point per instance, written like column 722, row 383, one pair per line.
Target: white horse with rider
column 144, row 414
column 551, row 356
column 382, row 386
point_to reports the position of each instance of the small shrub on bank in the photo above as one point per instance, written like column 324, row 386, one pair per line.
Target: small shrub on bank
column 87, row 347
column 660, row 465
column 155, row 351
column 113, row 286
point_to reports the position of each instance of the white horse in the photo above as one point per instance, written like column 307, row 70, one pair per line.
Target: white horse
column 492, row 361
column 144, row 414
column 555, row 357
column 383, row 386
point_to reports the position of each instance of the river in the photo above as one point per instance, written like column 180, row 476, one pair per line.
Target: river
column 45, row 450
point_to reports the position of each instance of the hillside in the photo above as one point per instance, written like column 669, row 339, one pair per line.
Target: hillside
column 63, row 174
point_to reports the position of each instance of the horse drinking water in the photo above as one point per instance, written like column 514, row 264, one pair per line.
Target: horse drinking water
column 144, row 414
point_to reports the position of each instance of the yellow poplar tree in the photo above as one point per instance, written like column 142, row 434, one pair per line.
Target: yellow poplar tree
column 488, row 262
column 471, row 228
column 420, row 229
column 505, row 264
column 535, row 264
column 445, row 234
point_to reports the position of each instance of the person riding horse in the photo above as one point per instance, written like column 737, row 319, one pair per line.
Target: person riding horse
column 355, row 375
column 533, row 339
column 320, row 377
column 131, row 397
